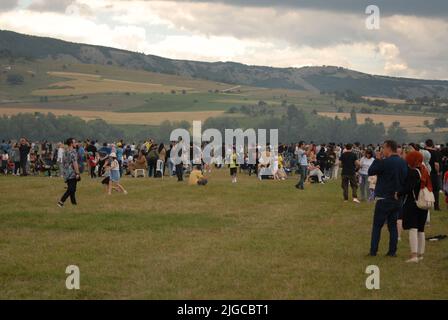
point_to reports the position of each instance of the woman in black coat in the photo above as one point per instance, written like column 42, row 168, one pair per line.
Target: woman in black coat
column 414, row 218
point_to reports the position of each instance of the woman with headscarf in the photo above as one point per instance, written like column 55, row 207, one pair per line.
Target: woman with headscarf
column 414, row 218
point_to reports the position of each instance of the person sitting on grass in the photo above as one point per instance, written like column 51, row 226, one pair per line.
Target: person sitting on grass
column 196, row 177
column 315, row 172
column 139, row 163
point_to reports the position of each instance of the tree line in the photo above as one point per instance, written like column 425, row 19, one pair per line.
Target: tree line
column 293, row 125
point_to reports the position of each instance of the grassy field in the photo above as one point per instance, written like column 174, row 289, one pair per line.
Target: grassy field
column 260, row 240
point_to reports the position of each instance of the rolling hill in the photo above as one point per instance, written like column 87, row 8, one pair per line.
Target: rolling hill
column 313, row 79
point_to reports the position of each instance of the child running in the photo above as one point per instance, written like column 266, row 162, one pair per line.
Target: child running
column 114, row 182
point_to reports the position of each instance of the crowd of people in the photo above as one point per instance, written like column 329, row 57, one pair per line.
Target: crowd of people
column 404, row 181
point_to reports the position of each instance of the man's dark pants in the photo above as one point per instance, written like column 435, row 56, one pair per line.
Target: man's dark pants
column 180, row 172
column 385, row 211
column 23, row 163
column 435, row 180
column 350, row 179
column 71, row 191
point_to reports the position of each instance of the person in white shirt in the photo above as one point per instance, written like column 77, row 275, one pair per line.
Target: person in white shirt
column 60, row 157
column 365, row 163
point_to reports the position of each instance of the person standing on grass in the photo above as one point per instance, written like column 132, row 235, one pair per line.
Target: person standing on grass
column 233, row 165
column 414, row 218
column 70, row 172
column 302, row 158
column 59, row 158
column 365, row 163
column 391, row 171
column 434, row 163
column 15, row 157
column 24, row 150
column 350, row 163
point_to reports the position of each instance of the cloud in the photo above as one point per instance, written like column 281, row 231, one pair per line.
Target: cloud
column 280, row 33
column 6, row 5
column 50, row 5
column 388, row 7
column 76, row 28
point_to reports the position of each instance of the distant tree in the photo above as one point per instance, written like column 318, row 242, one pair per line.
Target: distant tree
column 440, row 122
column 429, row 125
column 395, row 132
column 353, row 117
column 15, row 79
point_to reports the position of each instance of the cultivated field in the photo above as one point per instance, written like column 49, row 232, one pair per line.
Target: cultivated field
column 138, row 118
column 413, row 124
column 82, row 83
column 167, row 240
column 97, row 91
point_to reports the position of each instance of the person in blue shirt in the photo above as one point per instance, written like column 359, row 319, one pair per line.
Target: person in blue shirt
column 119, row 153
column 391, row 171
column 302, row 159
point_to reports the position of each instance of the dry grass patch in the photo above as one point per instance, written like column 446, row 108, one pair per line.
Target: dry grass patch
column 149, row 118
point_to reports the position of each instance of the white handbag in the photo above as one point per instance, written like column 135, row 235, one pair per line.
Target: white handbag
column 426, row 199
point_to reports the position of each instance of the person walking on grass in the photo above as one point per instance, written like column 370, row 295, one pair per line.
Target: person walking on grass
column 391, row 171
column 70, row 172
column 349, row 163
column 114, row 182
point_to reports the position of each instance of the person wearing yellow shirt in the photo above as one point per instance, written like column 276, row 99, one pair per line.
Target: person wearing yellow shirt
column 197, row 178
column 233, row 165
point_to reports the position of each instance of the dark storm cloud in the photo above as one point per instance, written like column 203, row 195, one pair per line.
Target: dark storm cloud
column 8, row 4
column 437, row 8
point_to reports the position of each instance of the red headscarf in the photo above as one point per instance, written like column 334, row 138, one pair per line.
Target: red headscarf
column 415, row 161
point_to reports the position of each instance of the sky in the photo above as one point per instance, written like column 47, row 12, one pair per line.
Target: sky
column 411, row 40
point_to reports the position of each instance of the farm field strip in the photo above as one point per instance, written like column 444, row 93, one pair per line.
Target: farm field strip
column 149, row 118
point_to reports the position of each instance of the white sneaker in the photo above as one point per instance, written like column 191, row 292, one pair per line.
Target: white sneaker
column 412, row 260
column 420, row 258
column 355, row 200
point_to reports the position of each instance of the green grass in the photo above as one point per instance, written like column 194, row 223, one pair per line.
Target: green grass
column 158, row 102
column 167, row 240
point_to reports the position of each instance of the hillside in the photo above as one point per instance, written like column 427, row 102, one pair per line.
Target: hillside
column 314, row 79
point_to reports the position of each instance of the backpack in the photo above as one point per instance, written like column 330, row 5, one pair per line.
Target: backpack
column 426, row 199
